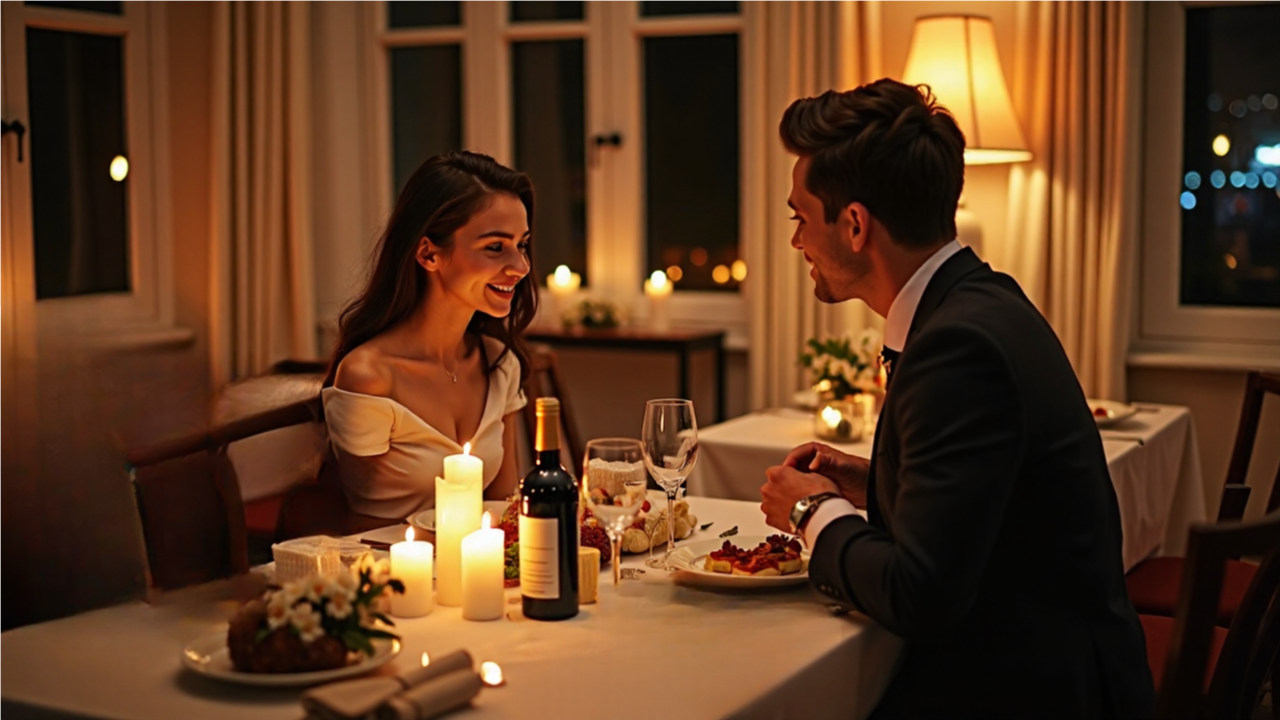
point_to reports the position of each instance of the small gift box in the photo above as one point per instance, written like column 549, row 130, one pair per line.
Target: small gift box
column 839, row 421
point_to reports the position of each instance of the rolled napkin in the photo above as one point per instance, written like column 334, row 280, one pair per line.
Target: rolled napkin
column 433, row 699
column 353, row 699
column 588, row 574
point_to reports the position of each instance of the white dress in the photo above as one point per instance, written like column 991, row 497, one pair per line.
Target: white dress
column 389, row 458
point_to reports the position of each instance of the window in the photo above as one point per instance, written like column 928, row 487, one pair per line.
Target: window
column 627, row 115
column 89, row 237
column 1211, row 238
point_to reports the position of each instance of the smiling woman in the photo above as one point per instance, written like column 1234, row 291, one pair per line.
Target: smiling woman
column 430, row 355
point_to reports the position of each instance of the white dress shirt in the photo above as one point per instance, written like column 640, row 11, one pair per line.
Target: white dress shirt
column 896, row 326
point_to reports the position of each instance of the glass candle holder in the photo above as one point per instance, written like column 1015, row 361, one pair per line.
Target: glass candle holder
column 839, row 421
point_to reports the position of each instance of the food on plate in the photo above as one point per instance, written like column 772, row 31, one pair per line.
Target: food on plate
column 1101, row 412
column 777, row 555
column 321, row 622
column 650, row 528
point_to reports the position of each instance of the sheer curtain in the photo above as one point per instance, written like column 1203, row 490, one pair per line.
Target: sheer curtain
column 809, row 48
column 1074, row 209
column 262, row 283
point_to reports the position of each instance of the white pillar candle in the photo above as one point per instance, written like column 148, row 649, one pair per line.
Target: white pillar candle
column 658, row 289
column 411, row 565
column 482, row 573
column 459, row 502
column 563, row 285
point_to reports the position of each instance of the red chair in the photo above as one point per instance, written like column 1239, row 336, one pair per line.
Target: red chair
column 1201, row 669
column 1154, row 584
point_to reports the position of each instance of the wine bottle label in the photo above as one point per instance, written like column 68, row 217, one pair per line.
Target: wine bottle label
column 539, row 558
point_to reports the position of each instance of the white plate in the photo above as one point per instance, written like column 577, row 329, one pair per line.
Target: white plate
column 426, row 520
column 1116, row 411
column 209, row 656
column 689, row 560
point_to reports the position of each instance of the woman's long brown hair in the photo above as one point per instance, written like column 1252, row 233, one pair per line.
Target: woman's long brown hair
column 441, row 196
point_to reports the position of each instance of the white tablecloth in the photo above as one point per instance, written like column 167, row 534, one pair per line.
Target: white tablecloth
column 647, row 649
column 1153, row 458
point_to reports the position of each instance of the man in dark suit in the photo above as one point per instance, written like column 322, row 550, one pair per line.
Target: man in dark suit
column 992, row 544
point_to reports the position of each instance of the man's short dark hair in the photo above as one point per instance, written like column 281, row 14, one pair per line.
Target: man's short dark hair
column 887, row 145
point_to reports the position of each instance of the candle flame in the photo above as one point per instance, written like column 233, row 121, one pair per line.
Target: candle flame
column 831, row 416
column 491, row 673
column 563, row 275
column 425, row 660
column 466, row 449
column 658, row 279
column 408, row 534
column 486, row 521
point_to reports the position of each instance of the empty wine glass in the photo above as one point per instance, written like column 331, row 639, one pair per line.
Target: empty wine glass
column 613, row 488
column 670, row 439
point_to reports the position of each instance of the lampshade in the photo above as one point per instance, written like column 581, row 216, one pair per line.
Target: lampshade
column 956, row 56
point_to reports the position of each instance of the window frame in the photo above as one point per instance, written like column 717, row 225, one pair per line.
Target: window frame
column 145, row 314
column 1168, row 333
column 613, row 34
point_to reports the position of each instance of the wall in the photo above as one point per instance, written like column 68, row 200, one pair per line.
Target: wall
column 70, row 532
column 1215, row 398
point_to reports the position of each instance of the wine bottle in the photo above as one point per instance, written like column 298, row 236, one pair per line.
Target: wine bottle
column 549, row 526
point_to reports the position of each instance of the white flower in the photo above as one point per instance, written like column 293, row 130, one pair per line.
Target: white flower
column 382, row 603
column 339, row 606
column 317, row 587
column 295, row 590
column 306, row 621
column 278, row 609
column 366, row 563
column 345, row 584
column 382, row 571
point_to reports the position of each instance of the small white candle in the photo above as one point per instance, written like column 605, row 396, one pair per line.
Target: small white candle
column 482, row 573
column 411, row 565
column 563, row 285
column 658, row 288
column 459, row 502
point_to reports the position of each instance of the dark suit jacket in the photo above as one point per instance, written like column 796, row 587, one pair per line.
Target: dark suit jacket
column 993, row 545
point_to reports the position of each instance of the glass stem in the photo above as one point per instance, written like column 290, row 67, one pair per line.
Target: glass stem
column 615, row 543
column 671, row 521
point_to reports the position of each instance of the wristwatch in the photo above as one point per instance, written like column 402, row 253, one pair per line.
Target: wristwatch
column 805, row 507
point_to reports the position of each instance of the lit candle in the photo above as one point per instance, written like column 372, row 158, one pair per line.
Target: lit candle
column 459, row 503
column 491, row 673
column 482, row 573
column 658, row 288
column 563, row 285
column 411, row 565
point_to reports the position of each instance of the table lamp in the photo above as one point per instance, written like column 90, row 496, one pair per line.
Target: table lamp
column 956, row 56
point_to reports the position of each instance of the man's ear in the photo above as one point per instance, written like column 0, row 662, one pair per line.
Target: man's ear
column 854, row 221
column 428, row 254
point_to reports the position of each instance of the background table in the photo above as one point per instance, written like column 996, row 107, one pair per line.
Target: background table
column 1153, row 459
column 647, row 649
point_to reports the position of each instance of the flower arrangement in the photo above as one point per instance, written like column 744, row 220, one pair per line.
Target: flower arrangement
column 843, row 366
column 316, row 623
column 593, row 314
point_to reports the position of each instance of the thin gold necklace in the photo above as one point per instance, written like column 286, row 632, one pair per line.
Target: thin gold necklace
column 452, row 375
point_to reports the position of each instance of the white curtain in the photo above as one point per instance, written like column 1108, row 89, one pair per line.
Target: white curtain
column 1074, row 209
column 810, row 47
column 262, row 283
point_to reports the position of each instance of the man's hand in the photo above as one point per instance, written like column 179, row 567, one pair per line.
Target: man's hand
column 787, row 486
column 848, row 472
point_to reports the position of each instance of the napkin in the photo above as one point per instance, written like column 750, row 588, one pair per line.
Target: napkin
column 432, row 699
column 353, row 699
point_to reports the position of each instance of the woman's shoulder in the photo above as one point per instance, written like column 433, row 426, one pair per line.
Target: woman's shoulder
column 365, row 370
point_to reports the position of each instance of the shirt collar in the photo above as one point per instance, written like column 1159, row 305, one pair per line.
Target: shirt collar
column 903, row 310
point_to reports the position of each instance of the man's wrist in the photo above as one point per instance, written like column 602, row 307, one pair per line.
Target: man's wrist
column 826, row 513
column 806, row 506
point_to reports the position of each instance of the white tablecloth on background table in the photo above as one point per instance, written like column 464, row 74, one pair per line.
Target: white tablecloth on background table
column 648, row 649
column 1153, row 458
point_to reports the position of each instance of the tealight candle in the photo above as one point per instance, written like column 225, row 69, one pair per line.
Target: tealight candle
column 563, row 285
column 411, row 565
column 459, row 502
column 482, row 573
column 838, row 420
column 658, row 288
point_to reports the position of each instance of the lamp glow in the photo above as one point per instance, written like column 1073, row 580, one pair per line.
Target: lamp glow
column 1221, row 145
column 119, row 168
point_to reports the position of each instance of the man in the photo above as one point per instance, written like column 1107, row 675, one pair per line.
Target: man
column 992, row 543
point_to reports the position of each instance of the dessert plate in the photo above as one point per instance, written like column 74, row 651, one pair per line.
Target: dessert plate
column 208, row 656
column 426, row 520
column 689, row 559
column 1109, row 412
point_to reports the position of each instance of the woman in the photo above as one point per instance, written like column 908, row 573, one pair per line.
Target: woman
column 429, row 357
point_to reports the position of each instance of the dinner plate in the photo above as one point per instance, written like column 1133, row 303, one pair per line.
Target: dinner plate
column 426, row 520
column 688, row 559
column 1115, row 411
column 210, row 657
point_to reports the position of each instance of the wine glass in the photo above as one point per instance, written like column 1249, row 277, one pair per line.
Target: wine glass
column 670, row 439
column 613, row 488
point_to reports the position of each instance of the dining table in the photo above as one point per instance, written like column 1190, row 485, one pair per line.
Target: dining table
column 658, row 645
column 1152, row 456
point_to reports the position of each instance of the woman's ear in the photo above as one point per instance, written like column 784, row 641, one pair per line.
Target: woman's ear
column 428, row 254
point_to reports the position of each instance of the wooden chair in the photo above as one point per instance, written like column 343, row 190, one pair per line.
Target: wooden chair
column 1154, row 584
column 1201, row 669
column 189, row 502
column 545, row 380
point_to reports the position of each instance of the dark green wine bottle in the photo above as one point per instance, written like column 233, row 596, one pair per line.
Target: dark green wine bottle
column 549, row 526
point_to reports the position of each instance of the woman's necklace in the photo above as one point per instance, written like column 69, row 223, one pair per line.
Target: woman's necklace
column 452, row 375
